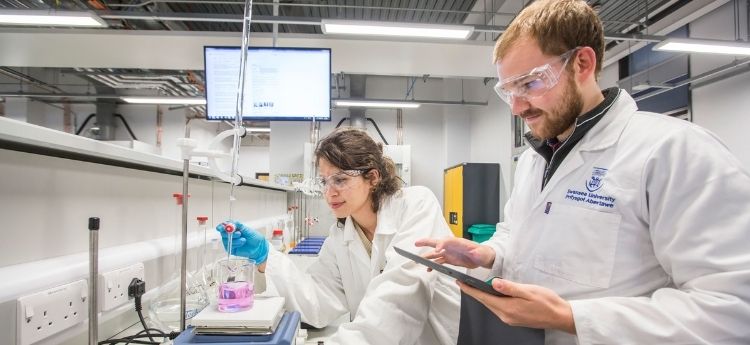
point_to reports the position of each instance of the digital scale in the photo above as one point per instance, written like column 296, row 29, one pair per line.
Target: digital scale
column 266, row 323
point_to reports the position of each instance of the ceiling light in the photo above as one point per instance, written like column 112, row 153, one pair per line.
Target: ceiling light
column 165, row 100
column 376, row 104
column 691, row 45
column 646, row 86
column 50, row 18
column 395, row 29
column 259, row 129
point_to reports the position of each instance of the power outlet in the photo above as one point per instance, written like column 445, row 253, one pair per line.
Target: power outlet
column 113, row 285
column 45, row 313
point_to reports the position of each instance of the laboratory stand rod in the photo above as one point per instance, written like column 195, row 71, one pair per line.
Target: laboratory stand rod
column 93, row 279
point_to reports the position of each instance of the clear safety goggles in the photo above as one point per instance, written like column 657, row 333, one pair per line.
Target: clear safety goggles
column 535, row 83
column 339, row 181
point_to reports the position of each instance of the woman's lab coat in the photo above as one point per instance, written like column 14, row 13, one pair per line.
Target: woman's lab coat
column 391, row 299
column 644, row 228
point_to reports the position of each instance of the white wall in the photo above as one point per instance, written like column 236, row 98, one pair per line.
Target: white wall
column 254, row 159
column 721, row 107
column 456, row 124
column 491, row 136
column 423, row 127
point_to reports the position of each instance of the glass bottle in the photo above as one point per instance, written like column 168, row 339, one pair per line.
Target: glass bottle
column 165, row 308
column 203, row 260
column 212, row 252
column 277, row 240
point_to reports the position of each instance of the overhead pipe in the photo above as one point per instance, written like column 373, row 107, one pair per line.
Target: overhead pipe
column 68, row 118
column 159, row 126
column 344, row 6
column 422, row 101
column 714, row 73
column 357, row 86
column 275, row 25
column 162, row 83
column 29, row 79
column 73, row 96
column 399, row 126
column 56, row 95
column 382, row 8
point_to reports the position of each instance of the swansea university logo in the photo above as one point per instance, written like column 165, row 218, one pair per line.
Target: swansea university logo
column 595, row 182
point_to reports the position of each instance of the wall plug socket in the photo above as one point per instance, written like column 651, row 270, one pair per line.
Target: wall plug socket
column 113, row 285
column 48, row 312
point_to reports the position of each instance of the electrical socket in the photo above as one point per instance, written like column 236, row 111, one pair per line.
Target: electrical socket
column 113, row 285
column 45, row 313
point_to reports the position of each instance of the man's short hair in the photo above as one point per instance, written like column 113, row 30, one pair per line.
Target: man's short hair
column 557, row 26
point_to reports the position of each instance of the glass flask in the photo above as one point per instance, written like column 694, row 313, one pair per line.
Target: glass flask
column 204, row 260
column 236, row 288
column 165, row 308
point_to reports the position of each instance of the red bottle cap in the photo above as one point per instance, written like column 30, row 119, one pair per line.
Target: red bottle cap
column 229, row 227
column 202, row 219
column 277, row 232
column 178, row 198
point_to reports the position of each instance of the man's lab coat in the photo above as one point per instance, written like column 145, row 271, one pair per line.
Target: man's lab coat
column 644, row 228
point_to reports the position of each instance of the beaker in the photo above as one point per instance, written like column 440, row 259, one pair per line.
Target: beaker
column 236, row 288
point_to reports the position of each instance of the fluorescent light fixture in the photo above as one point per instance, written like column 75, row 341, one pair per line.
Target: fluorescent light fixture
column 395, row 29
column 646, row 86
column 165, row 100
column 692, row 45
column 376, row 104
column 50, row 18
column 259, row 129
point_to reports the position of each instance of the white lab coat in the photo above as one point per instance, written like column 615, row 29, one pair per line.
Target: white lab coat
column 391, row 299
column 654, row 250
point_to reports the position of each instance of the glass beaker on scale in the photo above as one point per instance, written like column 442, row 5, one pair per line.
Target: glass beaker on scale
column 236, row 288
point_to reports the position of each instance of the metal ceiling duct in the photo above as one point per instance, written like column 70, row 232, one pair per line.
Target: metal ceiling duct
column 105, row 114
column 357, row 117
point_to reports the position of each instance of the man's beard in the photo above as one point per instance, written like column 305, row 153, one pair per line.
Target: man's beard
column 558, row 120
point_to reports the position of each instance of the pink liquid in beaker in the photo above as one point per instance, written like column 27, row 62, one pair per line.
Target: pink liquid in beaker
column 235, row 296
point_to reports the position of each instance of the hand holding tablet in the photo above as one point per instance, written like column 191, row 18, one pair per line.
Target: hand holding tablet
column 465, row 278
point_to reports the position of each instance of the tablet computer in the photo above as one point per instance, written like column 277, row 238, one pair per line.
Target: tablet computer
column 465, row 278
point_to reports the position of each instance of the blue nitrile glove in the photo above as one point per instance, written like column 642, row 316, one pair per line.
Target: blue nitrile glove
column 245, row 242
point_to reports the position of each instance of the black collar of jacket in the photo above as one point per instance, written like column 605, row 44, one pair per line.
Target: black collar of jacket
column 583, row 124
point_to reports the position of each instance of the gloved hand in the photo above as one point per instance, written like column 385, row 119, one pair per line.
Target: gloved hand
column 245, row 242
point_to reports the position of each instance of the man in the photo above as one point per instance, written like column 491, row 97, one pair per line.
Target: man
column 625, row 227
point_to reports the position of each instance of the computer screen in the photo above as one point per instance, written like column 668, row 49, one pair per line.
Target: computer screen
column 280, row 83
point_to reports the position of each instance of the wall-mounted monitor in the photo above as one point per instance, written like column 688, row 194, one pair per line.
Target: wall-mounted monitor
column 280, row 83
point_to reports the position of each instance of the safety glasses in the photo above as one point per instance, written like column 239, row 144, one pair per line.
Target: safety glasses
column 339, row 181
column 535, row 83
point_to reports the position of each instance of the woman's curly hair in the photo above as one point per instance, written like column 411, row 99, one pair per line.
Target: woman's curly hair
column 354, row 149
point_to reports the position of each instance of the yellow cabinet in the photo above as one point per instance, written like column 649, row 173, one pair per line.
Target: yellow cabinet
column 471, row 196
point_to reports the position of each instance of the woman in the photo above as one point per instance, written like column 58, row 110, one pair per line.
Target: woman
column 390, row 299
